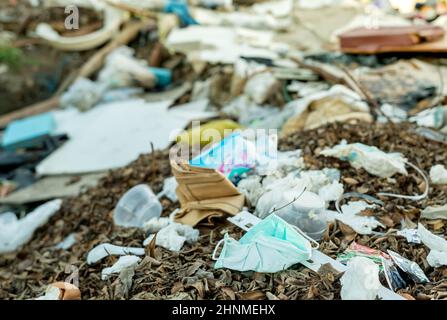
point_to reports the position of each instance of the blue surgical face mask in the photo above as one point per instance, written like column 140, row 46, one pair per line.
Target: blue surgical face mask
column 271, row 245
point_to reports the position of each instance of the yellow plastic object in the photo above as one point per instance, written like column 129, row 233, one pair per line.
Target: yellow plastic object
column 212, row 131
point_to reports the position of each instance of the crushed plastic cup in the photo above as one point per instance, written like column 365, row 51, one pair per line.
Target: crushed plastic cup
column 136, row 206
column 306, row 213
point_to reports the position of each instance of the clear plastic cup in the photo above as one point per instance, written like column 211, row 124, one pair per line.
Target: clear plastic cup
column 138, row 205
column 306, row 213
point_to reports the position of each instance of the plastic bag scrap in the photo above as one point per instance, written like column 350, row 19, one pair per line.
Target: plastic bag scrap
column 106, row 249
column 322, row 182
column 122, row 69
column 61, row 291
column 349, row 215
column 285, row 162
column 251, row 188
column 435, row 212
column 373, row 160
column 83, row 94
column 438, row 174
column 67, row 243
column 361, row 280
column 411, row 268
column 392, row 275
column 275, row 194
column 251, row 115
column 155, row 224
column 261, row 86
column 395, row 114
column 432, row 118
column 437, row 245
column 174, row 236
column 271, row 245
column 334, row 105
column 14, row 232
column 411, row 235
column 236, row 155
column 169, row 186
column 124, row 262
column 376, row 162
column 357, row 250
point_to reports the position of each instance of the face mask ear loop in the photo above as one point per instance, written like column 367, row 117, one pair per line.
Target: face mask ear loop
column 215, row 249
column 415, row 198
column 317, row 245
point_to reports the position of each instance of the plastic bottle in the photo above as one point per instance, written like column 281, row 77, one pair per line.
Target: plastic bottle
column 138, row 205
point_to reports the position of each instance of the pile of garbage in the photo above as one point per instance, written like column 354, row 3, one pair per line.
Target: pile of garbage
column 224, row 150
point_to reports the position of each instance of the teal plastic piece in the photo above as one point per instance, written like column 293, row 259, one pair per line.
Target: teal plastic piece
column 28, row 132
column 164, row 76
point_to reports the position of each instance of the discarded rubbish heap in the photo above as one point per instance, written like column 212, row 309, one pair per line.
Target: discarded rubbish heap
column 240, row 150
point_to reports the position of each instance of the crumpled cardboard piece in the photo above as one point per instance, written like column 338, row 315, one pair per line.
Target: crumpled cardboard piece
column 204, row 194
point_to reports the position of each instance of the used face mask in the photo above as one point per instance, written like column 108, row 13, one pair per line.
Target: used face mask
column 270, row 246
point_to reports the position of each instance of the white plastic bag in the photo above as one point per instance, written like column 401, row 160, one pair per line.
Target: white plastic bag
column 361, row 280
column 437, row 245
column 106, row 249
column 14, row 233
column 174, row 236
column 373, row 160
column 438, row 174
column 124, row 262
column 349, row 215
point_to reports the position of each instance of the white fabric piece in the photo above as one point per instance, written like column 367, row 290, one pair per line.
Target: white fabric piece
column 14, row 233
column 372, row 159
column 113, row 135
column 124, row 262
column 437, row 245
column 174, row 236
column 438, row 174
column 106, row 249
column 361, row 280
